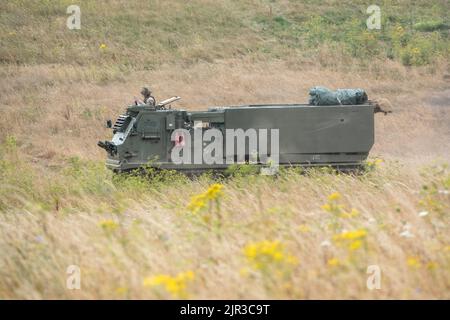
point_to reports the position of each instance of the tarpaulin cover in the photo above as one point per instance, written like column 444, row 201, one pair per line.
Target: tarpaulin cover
column 321, row 96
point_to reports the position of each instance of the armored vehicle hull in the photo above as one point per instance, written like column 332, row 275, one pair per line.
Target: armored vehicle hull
column 291, row 134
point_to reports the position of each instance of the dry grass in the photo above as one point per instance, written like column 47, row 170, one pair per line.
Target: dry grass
column 68, row 103
column 154, row 233
column 60, row 207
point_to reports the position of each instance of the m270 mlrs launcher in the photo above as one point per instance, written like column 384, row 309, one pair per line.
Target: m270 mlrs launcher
column 335, row 129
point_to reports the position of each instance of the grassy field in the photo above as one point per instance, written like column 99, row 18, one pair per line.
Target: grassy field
column 297, row 235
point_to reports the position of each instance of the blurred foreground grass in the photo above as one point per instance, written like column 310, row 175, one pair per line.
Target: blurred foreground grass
column 301, row 234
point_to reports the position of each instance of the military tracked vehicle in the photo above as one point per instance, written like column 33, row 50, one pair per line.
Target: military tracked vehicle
column 306, row 135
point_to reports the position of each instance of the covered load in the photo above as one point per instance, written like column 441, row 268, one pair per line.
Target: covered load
column 322, row 96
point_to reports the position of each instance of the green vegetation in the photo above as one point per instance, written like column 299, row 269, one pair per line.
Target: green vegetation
column 144, row 35
column 24, row 187
column 432, row 25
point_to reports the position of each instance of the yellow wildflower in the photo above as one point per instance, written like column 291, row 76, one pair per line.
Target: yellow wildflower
column 337, row 209
column 109, row 225
column 197, row 203
column 353, row 240
column 413, row 262
column 351, row 235
column 214, row 191
column 353, row 213
column 264, row 254
column 200, row 201
column 303, row 228
column 333, row 262
column 374, row 163
column 432, row 265
column 102, row 46
column 334, row 196
column 355, row 245
column 121, row 290
column 176, row 286
column 400, row 31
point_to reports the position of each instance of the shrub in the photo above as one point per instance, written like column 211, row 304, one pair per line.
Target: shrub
column 429, row 26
